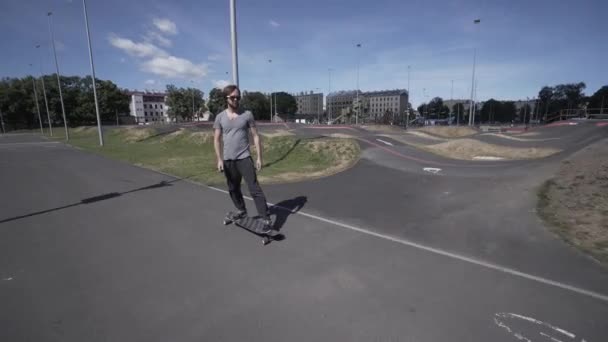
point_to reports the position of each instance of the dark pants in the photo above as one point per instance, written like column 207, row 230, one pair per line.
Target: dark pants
column 235, row 170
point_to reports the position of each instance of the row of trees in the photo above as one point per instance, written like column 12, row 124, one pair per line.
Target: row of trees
column 550, row 101
column 18, row 101
column 186, row 102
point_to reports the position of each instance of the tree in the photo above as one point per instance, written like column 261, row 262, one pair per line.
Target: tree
column 489, row 110
column 257, row 103
column 599, row 99
column 217, row 101
column 286, row 104
column 458, row 112
column 184, row 102
column 423, row 110
column 437, row 109
column 524, row 114
column 112, row 100
column 508, row 111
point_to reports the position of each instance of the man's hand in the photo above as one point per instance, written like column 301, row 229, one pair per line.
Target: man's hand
column 220, row 166
column 258, row 164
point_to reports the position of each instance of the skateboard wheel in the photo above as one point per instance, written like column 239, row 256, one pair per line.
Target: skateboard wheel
column 265, row 241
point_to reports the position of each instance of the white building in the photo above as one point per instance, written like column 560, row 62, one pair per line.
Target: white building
column 386, row 101
column 149, row 107
column 310, row 103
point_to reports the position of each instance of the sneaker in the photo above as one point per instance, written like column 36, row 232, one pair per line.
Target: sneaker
column 239, row 214
column 267, row 225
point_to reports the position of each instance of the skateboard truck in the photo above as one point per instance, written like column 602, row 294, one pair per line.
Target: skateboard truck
column 254, row 225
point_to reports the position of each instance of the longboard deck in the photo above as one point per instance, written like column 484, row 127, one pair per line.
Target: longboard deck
column 255, row 226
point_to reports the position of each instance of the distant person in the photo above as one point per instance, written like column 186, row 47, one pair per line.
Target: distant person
column 232, row 128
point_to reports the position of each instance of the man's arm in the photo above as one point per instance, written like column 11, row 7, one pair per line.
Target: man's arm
column 258, row 146
column 217, row 143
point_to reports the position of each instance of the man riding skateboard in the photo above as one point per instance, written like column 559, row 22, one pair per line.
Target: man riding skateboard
column 231, row 128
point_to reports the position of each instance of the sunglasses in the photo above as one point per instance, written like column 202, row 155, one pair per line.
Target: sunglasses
column 234, row 98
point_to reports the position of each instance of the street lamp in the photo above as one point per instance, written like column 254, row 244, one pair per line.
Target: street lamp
column 407, row 105
column 328, row 104
column 65, row 121
column 471, row 117
column 46, row 103
column 235, row 57
column 357, row 90
column 86, row 21
column 37, row 105
column 271, row 115
column 452, row 103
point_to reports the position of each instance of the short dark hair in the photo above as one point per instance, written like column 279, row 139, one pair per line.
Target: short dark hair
column 229, row 89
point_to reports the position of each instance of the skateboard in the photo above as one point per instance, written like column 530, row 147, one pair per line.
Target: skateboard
column 254, row 225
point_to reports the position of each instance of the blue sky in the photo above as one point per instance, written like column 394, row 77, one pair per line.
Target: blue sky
column 141, row 44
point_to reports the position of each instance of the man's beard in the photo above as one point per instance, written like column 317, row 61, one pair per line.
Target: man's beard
column 234, row 107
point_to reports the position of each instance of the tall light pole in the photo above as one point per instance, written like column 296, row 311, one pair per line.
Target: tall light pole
column 46, row 103
column 37, row 105
column 357, row 90
column 327, row 98
column 235, row 55
column 2, row 122
column 271, row 114
column 471, row 117
column 409, row 99
column 451, row 102
column 65, row 121
column 86, row 21
column 192, row 93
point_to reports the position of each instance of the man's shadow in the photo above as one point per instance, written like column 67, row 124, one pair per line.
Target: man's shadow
column 283, row 209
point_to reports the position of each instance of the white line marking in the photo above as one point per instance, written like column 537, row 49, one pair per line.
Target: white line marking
column 9, row 278
column 433, row 170
column 552, row 338
column 385, row 142
column 569, row 334
column 451, row 255
column 505, row 315
column 487, row 158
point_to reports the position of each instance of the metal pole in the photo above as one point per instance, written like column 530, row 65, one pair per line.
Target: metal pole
column 471, row 117
column 37, row 105
column 452, row 101
column 2, row 122
column 65, row 122
column 86, row 21
column 602, row 107
column 235, row 58
column 46, row 103
column 358, row 104
column 327, row 99
column 407, row 106
column 472, row 89
column 192, row 93
column 271, row 115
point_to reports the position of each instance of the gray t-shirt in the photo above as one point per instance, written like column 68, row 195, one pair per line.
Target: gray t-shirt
column 235, row 134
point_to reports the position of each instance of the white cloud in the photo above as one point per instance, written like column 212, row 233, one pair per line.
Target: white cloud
column 214, row 57
column 161, row 40
column 274, row 23
column 165, row 26
column 150, row 82
column 137, row 49
column 174, row 67
column 220, row 83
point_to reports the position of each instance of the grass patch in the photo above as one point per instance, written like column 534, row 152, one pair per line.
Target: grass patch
column 186, row 153
column 574, row 206
column 449, row 131
column 468, row 149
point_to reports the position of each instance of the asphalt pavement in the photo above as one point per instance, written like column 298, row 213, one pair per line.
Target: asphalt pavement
column 93, row 249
